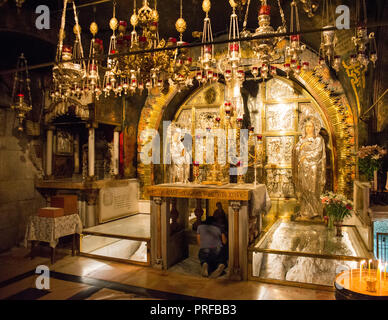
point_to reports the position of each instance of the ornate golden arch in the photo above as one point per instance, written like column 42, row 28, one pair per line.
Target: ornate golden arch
column 340, row 117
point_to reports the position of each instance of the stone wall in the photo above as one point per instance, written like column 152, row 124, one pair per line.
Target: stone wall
column 20, row 163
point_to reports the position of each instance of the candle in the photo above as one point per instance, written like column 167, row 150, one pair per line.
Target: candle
column 369, row 262
column 361, row 264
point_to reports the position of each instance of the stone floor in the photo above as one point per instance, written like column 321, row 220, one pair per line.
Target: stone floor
column 85, row 278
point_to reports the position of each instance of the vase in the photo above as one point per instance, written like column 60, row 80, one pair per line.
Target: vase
column 374, row 188
column 338, row 226
column 330, row 223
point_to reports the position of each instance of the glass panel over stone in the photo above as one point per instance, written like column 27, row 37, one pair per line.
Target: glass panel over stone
column 137, row 226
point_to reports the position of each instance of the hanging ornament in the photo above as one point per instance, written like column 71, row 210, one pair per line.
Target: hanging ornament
column 295, row 49
column 21, row 92
column 266, row 48
column 69, row 70
column 328, row 39
column 365, row 45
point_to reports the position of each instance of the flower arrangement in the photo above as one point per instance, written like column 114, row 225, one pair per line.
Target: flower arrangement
column 338, row 207
column 370, row 159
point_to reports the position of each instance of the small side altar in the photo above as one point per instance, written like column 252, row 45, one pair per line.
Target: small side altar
column 169, row 220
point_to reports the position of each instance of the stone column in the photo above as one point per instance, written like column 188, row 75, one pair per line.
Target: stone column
column 91, row 150
column 116, row 148
column 91, row 208
column 49, row 152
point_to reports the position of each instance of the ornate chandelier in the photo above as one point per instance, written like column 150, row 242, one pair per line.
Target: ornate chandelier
column 365, row 45
column 69, row 69
column 295, row 49
column 206, row 61
column 179, row 73
column 266, row 49
column 21, row 92
column 328, row 39
column 92, row 81
column 128, row 73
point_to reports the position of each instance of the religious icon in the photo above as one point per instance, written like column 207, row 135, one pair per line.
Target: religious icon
column 181, row 158
column 309, row 165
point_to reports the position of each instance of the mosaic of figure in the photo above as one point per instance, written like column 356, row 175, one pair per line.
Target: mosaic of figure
column 309, row 164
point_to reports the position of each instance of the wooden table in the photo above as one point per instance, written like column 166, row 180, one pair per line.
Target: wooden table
column 42, row 229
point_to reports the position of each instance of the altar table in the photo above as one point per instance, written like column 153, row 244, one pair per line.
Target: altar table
column 247, row 202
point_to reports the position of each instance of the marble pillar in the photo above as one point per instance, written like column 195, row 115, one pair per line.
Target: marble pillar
column 91, row 208
column 91, row 152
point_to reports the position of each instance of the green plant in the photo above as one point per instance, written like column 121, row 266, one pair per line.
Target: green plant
column 370, row 159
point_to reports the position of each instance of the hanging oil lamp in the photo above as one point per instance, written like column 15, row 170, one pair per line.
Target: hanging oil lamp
column 21, row 92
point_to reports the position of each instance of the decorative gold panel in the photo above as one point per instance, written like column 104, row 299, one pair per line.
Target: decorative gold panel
column 184, row 119
column 280, row 117
column 278, row 89
column 279, row 150
column 279, row 183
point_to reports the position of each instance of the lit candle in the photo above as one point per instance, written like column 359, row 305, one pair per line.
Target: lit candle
column 361, row 264
column 378, row 274
column 369, row 262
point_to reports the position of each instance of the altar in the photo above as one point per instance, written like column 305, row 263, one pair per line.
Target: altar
column 170, row 220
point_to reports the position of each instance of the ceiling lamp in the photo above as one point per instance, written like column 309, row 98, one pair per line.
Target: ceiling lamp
column 69, row 69
column 21, row 92
column 295, row 48
column 148, row 70
column 265, row 49
column 328, row 39
column 366, row 48
column 92, row 80
column 206, row 60
column 180, row 68
column 110, row 81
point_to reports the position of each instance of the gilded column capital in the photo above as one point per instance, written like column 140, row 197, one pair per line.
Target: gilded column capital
column 236, row 205
column 157, row 200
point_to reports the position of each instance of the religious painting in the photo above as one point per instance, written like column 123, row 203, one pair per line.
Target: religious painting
column 280, row 117
column 64, row 142
column 279, row 183
column 279, row 150
column 109, row 110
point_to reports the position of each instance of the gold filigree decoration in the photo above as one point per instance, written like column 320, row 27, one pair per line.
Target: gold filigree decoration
column 357, row 79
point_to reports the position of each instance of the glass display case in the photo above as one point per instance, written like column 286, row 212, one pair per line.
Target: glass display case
column 125, row 240
column 305, row 253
